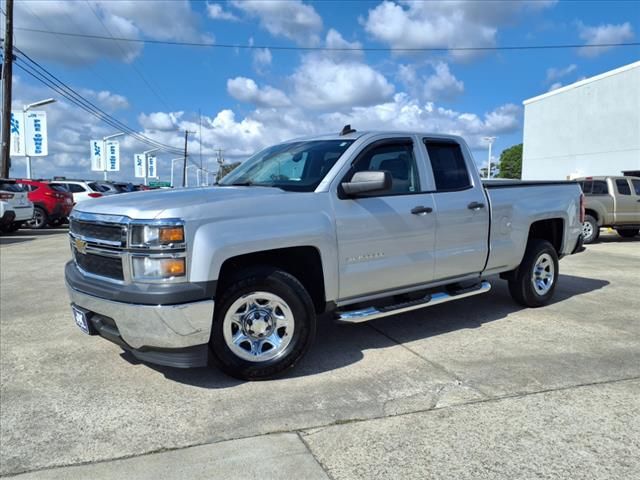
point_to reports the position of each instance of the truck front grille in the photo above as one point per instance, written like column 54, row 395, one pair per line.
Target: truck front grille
column 97, row 231
column 110, row 267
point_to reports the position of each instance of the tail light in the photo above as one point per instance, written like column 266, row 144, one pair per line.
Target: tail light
column 95, row 195
column 54, row 195
column 582, row 213
column 6, row 196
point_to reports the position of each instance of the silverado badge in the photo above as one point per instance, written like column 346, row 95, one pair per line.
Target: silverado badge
column 81, row 245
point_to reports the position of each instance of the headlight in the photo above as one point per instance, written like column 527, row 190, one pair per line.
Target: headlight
column 156, row 235
column 149, row 268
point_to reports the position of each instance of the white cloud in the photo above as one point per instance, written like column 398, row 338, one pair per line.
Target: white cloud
column 216, row 12
column 606, row 34
column 105, row 99
column 554, row 74
column 291, row 19
column 442, row 85
column 554, row 86
column 246, row 90
column 321, row 83
column 261, row 58
column 443, row 24
column 131, row 19
column 349, row 50
column 160, row 121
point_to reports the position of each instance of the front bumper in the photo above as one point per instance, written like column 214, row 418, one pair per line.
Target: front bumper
column 174, row 335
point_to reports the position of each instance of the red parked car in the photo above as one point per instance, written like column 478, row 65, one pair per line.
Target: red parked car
column 51, row 203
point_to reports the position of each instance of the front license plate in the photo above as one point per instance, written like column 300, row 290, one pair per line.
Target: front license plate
column 80, row 318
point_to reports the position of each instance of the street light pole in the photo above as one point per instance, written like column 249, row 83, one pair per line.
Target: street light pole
column 104, row 150
column 172, row 162
column 146, row 163
column 25, row 109
column 490, row 140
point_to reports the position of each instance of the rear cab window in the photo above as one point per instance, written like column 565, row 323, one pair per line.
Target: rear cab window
column 636, row 186
column 623, row 186
column 594, row 187
column 449, row 168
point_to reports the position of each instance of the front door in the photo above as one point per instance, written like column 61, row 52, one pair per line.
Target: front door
column 386, row 241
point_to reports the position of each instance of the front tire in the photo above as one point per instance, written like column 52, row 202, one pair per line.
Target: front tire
column 627, row 232
column 590, row 229
column 534, row 282
column 263, row 324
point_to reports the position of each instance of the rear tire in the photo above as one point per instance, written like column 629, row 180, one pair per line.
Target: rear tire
column 12, row 227
column 40, row 219
column 627, row 232
column 263, row 324
column 534, row 282
column 590, row 229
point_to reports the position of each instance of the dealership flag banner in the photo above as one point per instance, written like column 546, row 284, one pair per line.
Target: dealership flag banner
column 35, row 128
column 97, row 160
column 17, row 133
column 113, row 156
column 139, row 165
column 153, row 168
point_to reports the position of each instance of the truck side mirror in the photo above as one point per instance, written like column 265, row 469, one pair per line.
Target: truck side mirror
column 367, row 182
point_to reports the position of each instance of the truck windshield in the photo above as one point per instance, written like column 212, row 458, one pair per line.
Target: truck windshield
column 296, row 166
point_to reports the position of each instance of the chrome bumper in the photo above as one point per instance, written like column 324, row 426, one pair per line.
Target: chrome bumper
column 161, row 326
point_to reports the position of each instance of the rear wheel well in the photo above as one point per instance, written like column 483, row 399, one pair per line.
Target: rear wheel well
column 551, row 230
column 304, row 263
column 593, row 213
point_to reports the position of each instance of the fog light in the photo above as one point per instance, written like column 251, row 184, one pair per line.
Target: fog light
column 158, row 268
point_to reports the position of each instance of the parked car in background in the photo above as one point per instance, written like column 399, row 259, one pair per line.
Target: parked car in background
column 107, row 188
column 611, row 202
column 124, row 187
column 80, row 189
column 51, row 203
column 15, row 207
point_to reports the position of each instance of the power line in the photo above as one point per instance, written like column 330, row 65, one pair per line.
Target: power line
column 34, row 69
column 142, row 77
column 331, row 49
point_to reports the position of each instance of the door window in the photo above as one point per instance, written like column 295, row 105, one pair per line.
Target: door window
column 448, row 165
column 397, row 159
column 75, row 188
column 599, row 188
column 623, row 186
column 636, row 186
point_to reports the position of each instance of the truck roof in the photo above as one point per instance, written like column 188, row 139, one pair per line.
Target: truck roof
column 359, row 134
column 604, row 177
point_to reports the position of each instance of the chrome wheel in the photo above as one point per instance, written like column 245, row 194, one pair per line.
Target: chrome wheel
column 543, row 274
column 258, row 326
column 38, row 220
column 587, row 230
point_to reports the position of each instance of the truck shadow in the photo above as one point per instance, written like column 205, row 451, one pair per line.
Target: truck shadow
column 338, row 346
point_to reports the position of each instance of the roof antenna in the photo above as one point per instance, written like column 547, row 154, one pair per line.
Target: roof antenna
column 346, row 130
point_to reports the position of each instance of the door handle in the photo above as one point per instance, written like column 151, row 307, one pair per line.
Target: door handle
column 475, row 205
column 420, row 210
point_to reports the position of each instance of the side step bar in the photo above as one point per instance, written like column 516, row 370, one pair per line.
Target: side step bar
column 371, row 313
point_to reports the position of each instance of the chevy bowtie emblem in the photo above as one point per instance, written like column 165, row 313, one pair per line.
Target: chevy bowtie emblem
column 81, row 246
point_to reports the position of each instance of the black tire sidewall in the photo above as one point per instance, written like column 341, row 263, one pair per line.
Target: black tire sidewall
column 521, row 287
column 294, row 294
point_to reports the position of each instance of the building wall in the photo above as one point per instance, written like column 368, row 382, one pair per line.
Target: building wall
column 591, row 127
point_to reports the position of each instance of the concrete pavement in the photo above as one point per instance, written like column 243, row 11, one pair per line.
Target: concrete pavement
column 69, row 399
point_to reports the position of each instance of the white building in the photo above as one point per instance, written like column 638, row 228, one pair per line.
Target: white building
column 591, row 127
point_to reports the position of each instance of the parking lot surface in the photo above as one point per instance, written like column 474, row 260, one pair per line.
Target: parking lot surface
column 479, row 388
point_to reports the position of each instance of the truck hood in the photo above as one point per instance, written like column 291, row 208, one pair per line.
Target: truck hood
column 183, row 203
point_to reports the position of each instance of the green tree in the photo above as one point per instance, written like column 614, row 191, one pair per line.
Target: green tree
column 511, row 162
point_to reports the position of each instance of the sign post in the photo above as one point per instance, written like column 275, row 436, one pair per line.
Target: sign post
column 110, row 154
column 97, row 160
column 139, row 165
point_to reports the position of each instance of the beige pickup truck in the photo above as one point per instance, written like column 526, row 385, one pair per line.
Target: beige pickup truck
column 611, row 202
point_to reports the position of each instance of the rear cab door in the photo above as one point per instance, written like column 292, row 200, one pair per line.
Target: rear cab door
column 461, row 207
column 626, row 202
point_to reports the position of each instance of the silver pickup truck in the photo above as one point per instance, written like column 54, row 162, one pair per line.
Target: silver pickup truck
column 355, row 226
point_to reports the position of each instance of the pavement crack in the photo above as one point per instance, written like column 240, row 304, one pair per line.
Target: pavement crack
column 433, row 364
column 324, row 468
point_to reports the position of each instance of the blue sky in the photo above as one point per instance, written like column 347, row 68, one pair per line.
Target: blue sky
column 251, row 98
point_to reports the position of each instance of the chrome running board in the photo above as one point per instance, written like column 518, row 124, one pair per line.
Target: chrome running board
column 371, row 313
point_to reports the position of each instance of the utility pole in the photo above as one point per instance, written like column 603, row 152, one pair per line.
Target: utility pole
column 184, row 164
column 7, row 79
